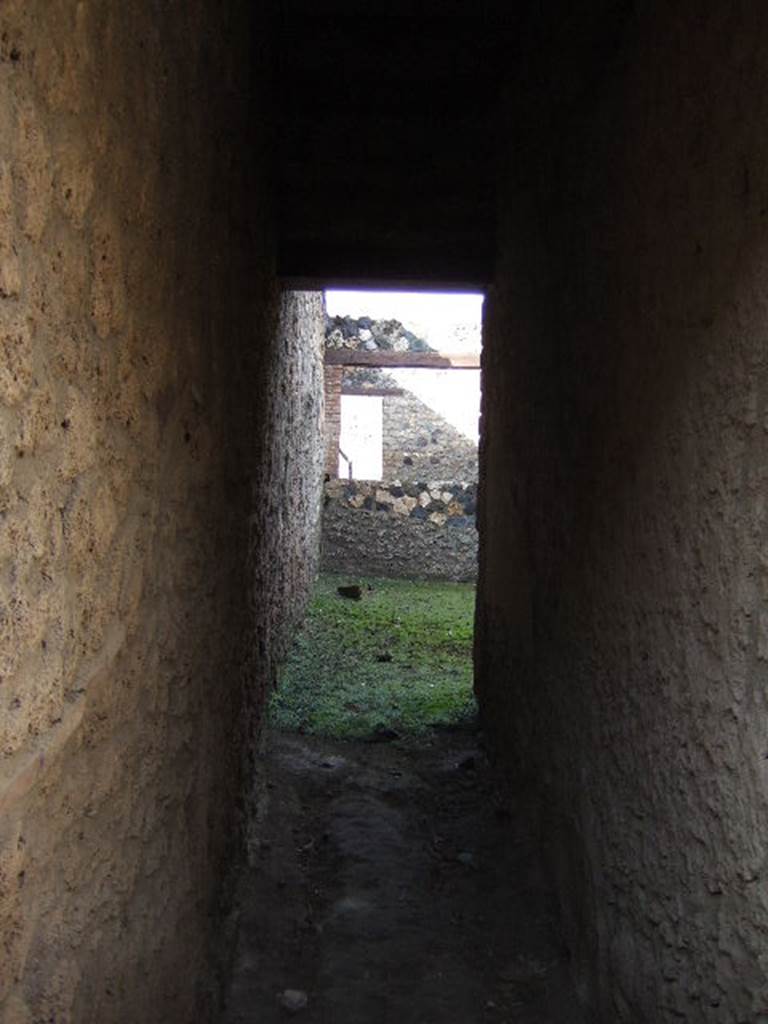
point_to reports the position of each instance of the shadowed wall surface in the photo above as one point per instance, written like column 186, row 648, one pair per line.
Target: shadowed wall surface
column 621, row 648
column 159, row 428
column 142, row 342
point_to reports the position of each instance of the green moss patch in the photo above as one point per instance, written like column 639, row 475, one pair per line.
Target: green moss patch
column 399, row 658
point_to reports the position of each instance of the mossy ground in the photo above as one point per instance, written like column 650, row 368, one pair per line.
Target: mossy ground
column 400, row 658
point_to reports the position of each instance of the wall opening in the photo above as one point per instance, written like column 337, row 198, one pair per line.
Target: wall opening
column 361, row 437
column 402, row 391
column 398, row 527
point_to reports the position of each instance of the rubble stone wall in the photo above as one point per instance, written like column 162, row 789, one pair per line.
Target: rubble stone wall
column 419, row 443
column 422, row 530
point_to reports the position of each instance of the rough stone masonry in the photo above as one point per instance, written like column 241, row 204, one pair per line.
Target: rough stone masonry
column 424, row 530
column 395, row 527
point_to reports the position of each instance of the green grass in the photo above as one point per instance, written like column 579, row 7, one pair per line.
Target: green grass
column 335, row 682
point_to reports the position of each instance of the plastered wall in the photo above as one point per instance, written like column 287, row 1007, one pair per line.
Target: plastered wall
column 150, row 392
column 622, row 649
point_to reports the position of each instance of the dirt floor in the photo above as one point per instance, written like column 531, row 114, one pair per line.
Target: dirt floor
column 394, row 885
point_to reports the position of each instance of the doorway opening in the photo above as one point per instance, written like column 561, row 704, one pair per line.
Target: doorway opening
column 386, row 650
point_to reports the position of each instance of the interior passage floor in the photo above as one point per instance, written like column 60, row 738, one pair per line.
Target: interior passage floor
column 395, row 885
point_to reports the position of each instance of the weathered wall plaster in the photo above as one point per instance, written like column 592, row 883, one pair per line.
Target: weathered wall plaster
column 621, row 645
column 142, row 381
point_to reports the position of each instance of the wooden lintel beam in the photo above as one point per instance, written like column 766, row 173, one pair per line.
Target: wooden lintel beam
column 346, row 389
column 403, row 360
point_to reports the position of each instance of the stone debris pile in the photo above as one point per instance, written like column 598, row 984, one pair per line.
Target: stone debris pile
column 370, row 335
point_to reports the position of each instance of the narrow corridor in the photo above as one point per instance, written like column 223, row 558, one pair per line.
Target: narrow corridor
column 179, row 183
column 395, row 884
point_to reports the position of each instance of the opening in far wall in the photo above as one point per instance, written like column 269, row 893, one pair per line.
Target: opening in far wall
column 402, row 389
column 387, row 647
column 361, row 437
column 406, row 349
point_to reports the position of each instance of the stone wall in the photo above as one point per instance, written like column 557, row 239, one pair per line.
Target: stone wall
column 621, row 644
column 405, row 531
column 418, row 443
column 143, row 383
column 367, row 335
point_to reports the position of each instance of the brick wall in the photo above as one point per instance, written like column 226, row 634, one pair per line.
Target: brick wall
column 332, row 387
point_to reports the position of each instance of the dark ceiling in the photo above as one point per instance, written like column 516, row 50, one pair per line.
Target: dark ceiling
column 389, row 139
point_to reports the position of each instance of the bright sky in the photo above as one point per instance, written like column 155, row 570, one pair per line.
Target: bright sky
column 448, row 322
